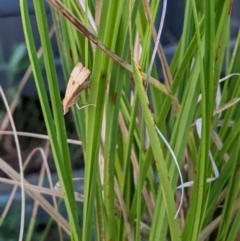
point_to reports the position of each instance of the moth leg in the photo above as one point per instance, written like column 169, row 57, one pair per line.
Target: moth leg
column 84, row 106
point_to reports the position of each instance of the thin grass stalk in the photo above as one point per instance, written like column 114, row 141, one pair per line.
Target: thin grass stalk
column 61, row 164
column 231, row 197
column 112, row 109
column 199, row 189
column 157, row 152
column 97, row 95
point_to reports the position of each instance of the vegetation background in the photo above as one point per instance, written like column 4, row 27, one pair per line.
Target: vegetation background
column 132, row 189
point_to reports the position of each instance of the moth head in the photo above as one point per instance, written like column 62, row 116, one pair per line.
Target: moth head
column 65, row 107
column 65, row 110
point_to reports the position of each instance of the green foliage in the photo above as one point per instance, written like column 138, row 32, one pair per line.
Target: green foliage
column 124, row 155
column 16, row 63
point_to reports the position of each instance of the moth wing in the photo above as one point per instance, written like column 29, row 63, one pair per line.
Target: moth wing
column 82, row 75
column 68, row 102
column 71, row 99
column 76, row 70
column 78, row 67
column 76, row 84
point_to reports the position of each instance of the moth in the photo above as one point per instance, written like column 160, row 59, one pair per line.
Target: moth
column 77, row 82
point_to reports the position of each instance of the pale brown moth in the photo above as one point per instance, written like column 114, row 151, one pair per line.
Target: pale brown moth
column 76, row 84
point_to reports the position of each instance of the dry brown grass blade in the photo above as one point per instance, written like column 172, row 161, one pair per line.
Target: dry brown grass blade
column 39, row 136
column 98, row 8
column 36, row 196
column 44, row 168
column 21, row 85
column 226, row 106
column 165, row 67
column 8, row 204
column 166, row 71
column 57, row 5
column 209, row 229
column 124, row 211
column 38, row 189
column 78, row 196
column 147, row 198
column 21, row 175
column 215, row 223
column 218, row 142
column 13, row 192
